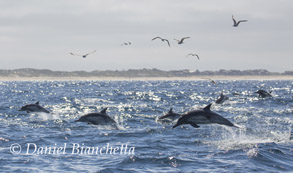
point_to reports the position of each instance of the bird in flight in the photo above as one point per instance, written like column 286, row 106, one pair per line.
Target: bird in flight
column 193, row 54
column 210, row 80
column 182, row 39
column 162, row 39
column 126, row 44
column 237, row 23
column 84, row 56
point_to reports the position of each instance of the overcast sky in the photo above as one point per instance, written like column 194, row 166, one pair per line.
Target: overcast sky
column 41, row 34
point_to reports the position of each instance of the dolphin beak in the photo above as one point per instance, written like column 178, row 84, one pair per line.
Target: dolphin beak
column 162, row 117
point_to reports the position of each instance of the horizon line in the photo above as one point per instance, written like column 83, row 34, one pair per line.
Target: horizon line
column 197, row 70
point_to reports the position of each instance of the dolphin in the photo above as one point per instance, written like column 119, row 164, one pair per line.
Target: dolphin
column 33, row 108
column 202, row 116
column 222, row 99
column 170, row 115
column 100, row 118
column 263, row 93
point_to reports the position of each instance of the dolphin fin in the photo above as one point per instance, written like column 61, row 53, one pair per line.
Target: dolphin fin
column 171, row 111
column 104, row 111
column 27, row 111
column 208, row 107
column 194, row 125
column 37, row 103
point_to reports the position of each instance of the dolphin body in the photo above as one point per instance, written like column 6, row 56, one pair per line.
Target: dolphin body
column 222, row 99
column 100, row 118
column 170, row 116
column 202, row 116
column 263, row 93
column 33, row 108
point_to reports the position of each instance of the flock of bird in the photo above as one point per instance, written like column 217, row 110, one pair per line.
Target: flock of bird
column 180, row 41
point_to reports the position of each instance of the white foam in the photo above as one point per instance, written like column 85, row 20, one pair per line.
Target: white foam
column 228, row 138
column 41, row 116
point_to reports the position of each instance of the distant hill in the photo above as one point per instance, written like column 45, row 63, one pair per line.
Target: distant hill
column 29, row 72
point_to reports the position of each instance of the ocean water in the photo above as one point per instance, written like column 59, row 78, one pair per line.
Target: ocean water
column 54, row 142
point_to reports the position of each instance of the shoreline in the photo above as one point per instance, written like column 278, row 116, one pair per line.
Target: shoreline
column 216, row 77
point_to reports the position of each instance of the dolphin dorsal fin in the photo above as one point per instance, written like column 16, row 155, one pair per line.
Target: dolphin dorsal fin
column 37, row 103
column 170, row 111
column 104, row 111
column 208, row 107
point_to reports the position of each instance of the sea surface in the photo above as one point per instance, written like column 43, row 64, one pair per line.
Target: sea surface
column 41, row 142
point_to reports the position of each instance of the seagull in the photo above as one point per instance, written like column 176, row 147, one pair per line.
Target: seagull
column 182, row 39
column 193, row 54
column 162, row 39
column 85, row 55
column 211, row 80
column 126, row 44
column 237, row 23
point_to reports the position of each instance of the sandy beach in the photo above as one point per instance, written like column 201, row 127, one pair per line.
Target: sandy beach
column 218, row 77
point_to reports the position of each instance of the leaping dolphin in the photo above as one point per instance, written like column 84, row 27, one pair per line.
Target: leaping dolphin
column 100, row 118
column 202, row 116
column 263, row 93
column 33, row 108
column 170, row 115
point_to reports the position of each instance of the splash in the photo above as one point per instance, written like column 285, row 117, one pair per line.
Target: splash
column 226, row 138
column 44, row 116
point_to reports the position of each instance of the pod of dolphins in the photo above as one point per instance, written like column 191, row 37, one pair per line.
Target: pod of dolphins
column 194, row 117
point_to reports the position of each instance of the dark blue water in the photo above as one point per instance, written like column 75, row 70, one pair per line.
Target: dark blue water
column 263, row 143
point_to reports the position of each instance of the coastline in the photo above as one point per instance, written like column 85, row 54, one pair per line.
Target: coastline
column 215, row 77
